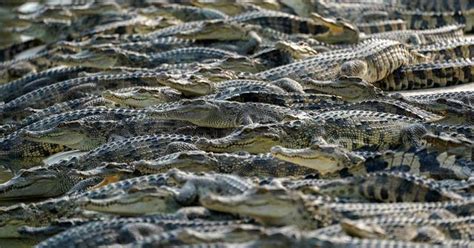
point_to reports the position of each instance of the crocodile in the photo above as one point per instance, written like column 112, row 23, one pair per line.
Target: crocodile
column 336, row 127
column 11, row 51
column 189, row 13
column 148, row 200
column 140, row 97
column 433, row 19
column 297, row 101
column 134, row 202
column 440, row 103
column 16, row 88
column 88, row 134
column 406, row 228
column 125, row 150
column 48, row 95
column 452, row 144
column 13, row 146
column 323, row 29
column 256, row 236
column 381, row 26
column 428, row 75
column 194, row 85
column 366, row 60
column 242, row 164
column 462, row 47
column 108, row 57
column 418, row 37
column 385, row 186
column 330, row 159
column 58, row 108
column 286, row 207
column 220, row 33
column 225, row 114
column 124, row 230
column 459, row 5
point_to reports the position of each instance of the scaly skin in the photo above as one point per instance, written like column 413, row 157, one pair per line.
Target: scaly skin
column 344, row 128
column 17, row 87
column 195, row 85
column 126, row 150
column 34, row 214
column 455, row 5
column 435, row 19
column 323, row 29
column 407, row 228
column 383, row 187
column 14, row 146
column 140, row 97
column 246, row 236
column 141, row 196
column 329, row 159
column 242, row 164
column 381, row 26
column 134, row 202
column 110, row 232
column 392, row 106
column 57, row 108
column 189, row 13
column 439, row 102
column 150, row 199
column 276, row 206
column 225, row 114
column 429, row 75
column 418, row 37
column 297, row 101
column 38, row 182
column 49, row 94
column 108, row 57
column 351, row 89
column 457, row 48
column 194, row 187
column 367, row 60
column 130, row 149
column 88, row 134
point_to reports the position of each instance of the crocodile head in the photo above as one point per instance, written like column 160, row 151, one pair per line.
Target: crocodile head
column 339, row 31
column 323, row 158
column 138, row 97
column 37, row 182
column 136, row 201
column 349, row 88
column 363, row 230
column 255, row 138
column 192, row 85
column 47, row 29
column 217, row 30
column 297, row 51
column 270, row 205
column 97, row 58
column 197, row 161
column 75, row 134
column 14, row 217
column 200, row 112
column 33, row 215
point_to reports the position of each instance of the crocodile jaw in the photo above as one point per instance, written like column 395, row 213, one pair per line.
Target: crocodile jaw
column 10, row 230
column 132, row 204
column 255, row 145
column 24, row 188
column 269, row 213
column 54, row 136
column 306, row 157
